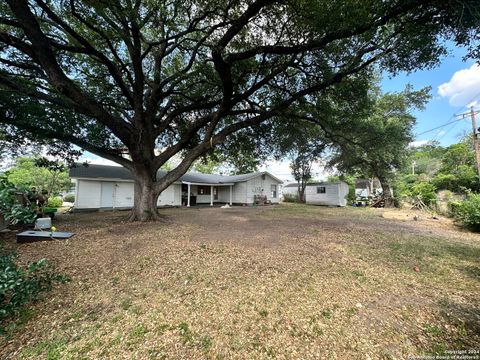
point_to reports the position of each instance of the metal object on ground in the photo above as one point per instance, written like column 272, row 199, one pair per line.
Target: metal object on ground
column 31, row 236
column 43, row 223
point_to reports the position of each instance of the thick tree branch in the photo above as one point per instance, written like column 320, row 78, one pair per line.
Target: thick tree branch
column 41, row 47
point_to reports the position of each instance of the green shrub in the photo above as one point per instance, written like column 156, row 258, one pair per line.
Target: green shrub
column 468, row 212
column 19, row 286
column 69, row 198
column 20, row 214
column 13, row 210
column 55, row 202
column 425, row 192
column 452, row 208
column 290, row 198
column 445, row 182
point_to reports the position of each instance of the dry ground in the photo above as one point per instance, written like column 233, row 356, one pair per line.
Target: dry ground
column 285, row 281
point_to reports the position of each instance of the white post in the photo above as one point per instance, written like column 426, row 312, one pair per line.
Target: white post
column 211, row 195
column 231, row 194
column 188, row 196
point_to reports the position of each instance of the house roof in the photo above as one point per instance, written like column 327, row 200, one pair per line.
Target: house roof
column 94, row 171
column 291, row 185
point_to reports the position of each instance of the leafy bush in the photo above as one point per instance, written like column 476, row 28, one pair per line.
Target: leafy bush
column 290, row 198
column 19, row 286
column 14, row 211
column 445, row 181
column 453, row 207
column 69, row 198
column 465, row 177
column 20, row 214
column 55, row 202
column 425, row 192
column 468, row 212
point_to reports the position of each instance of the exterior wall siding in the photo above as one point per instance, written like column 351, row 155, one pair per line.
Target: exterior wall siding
column 260, row 186
column 335, row 194
column 167, row 197
column 123, row 197
column 240, row 193
column 88, row 194
column 343, row 193
column 330, row 197
column 224, row 194
column 177, row 194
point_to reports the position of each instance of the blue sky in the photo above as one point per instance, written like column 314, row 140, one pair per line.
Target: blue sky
column 460, row 83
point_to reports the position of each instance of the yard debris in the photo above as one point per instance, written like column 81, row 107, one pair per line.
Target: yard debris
column 226, row 206
column 416, row 268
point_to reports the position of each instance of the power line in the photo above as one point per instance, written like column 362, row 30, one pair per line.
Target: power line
column 439, row 127
column 439, row 137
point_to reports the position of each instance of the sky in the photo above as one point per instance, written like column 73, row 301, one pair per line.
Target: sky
column 455, row 86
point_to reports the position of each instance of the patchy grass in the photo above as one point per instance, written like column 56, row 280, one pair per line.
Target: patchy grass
column 289, row 281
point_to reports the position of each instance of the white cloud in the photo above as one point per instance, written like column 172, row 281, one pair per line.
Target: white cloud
column 418, row 143
column 463, row 87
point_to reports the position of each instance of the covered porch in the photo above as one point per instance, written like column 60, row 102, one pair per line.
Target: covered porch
column 206, row 193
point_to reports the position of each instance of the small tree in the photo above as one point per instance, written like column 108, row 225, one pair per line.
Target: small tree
column 301, row 165
column 41, row 173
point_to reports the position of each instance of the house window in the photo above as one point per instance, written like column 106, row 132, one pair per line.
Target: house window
column 273, row 191
column 203, row 190
column 321, row 190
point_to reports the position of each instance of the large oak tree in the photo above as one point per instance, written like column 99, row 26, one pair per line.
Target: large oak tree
column 139, row 81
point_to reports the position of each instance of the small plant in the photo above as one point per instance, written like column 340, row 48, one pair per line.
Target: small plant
column 20, row 214
column 290, row 198
column 19, row 286
column 468, row 212
column 55, row 202
column 69, row 198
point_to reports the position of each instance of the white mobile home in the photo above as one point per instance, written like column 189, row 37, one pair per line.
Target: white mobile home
column 111, row 187
column 322, row 193
column 327, row 193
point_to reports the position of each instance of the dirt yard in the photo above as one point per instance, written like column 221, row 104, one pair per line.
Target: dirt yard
column 287, row 282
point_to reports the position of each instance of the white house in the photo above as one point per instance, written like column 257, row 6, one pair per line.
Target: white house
column 111, row 187
column 322, row 193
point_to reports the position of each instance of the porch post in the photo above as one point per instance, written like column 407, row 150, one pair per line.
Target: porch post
column 211, row 195
column 231, row 186
column 188, row 196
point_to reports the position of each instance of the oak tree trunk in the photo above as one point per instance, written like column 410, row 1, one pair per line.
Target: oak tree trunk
column 301, row 191
column 387, row 193
column 145, row 199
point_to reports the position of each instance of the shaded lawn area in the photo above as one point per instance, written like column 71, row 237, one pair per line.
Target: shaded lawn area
column 286, row 281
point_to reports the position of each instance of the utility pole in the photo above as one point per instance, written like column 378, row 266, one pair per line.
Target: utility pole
column 413, row 167
column 472, row 114
column 475, row 139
